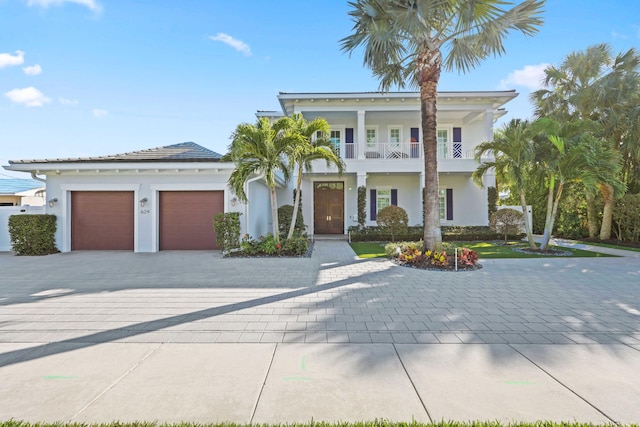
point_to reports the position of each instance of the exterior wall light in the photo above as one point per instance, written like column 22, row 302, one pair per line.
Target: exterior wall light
column 53, row 202
column 234, row 201
column 143, row 202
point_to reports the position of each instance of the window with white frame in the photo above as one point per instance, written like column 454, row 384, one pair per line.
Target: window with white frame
column 442, row 194
column 383, row 199
column 334, row 137
column 443, row 143
column 395, row 134
column 372, row 137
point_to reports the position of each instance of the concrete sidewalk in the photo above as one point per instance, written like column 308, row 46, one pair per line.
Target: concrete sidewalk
column 96, row 337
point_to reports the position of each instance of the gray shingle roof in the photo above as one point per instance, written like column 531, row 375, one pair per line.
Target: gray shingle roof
column 17, row 185
column 183, row 152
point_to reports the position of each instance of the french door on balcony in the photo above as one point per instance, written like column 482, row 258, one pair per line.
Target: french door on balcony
column 328, row 208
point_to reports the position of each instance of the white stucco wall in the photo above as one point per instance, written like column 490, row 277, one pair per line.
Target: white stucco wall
column 469, row 201
column 409, row 194
column 258, row 211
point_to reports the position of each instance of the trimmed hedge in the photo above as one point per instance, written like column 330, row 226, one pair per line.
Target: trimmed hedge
column 285, row 215
column 415, row 233
column 33, row 234
column 227, row 228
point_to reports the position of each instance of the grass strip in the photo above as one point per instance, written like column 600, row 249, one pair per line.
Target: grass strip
column 377, row 423
column 486, row 250
column 369, row 249
column 610, row 246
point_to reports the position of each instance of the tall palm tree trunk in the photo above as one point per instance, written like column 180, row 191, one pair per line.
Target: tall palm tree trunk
column 592, row 215
column 546, row 236
column 607, row 213
column 527, row 224
column 296, row 205
column 429, row 66
column 274, row 213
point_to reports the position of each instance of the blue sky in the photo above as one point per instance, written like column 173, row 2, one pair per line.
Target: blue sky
column 97, row 77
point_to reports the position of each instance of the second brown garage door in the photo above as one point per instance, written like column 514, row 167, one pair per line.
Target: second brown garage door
column 102, row 220
column 186, row 219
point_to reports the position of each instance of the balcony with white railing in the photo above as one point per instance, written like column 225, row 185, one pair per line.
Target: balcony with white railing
column 402, row 156
column 393, row 150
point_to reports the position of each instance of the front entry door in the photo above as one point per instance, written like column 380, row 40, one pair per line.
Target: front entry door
column 328, row 211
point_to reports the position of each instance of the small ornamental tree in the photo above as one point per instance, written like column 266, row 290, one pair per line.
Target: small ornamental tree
column 394, row 220
column 507, row 222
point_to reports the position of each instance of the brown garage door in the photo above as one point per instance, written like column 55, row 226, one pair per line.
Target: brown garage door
column 186, row 219
column 102, row 220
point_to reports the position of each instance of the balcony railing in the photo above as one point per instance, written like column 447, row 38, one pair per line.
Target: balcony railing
column 454, row 150
column 393, row 150
column 405, row 150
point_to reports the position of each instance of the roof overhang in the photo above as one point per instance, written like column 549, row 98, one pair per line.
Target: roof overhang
column 407, row 101
column 52, row 168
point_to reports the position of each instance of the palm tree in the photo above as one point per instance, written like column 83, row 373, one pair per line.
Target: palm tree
column 594, row 85
column 404, row 41
column 310, row 143
column 260, row 150
column 512, row 149
column 567, row 152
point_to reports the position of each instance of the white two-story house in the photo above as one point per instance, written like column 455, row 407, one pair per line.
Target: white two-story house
column 164, row 198
column 379, row 136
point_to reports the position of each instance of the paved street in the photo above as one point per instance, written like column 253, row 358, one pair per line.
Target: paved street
column 192, row 336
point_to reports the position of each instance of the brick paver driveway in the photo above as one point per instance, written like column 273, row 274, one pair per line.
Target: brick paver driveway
column 330, row 297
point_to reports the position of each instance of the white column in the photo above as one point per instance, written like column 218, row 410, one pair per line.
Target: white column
column 362, row 136
column 362, row 179
column 488, row 124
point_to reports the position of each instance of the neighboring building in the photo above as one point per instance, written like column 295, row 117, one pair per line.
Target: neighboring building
column 158, row 199
column 379, row 137
column 165, row 198
column 21, row 192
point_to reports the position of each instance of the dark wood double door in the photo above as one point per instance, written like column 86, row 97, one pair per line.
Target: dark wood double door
column 328, row 208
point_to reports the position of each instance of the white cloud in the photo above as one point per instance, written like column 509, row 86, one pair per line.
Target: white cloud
column 530, row 76
column 29, row 96
column 617, row 35
column 65, row 101
column 238, row 45
column 92, row 5
column 98, row 113
column 32, row 70
column 6, row 59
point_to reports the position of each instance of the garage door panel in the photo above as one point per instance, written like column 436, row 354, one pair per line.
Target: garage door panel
column 186, row 219
column 102, row 220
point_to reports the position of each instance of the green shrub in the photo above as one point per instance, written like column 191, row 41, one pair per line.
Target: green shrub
column 414, row 233
column 393, row 220
column 507, row 222
column 377, row 234
column 266, row 245
column 227, row 227
column 362, row 206
column 285, row 215
column 492, row 200
column 626, row 218
column 33, row 234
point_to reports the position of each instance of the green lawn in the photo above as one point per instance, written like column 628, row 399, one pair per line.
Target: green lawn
column 486, row 250
column 607, row 245
column 369, row 249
